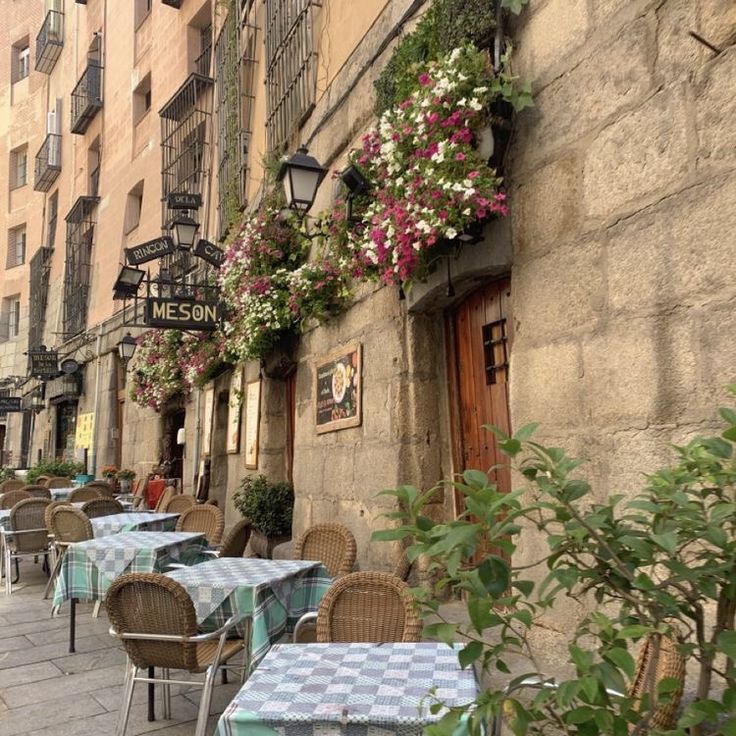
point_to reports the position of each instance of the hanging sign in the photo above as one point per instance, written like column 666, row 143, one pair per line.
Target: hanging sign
column 10, row 403
column 183, row 314
column 69, row 366
column 44, row 364
column 184, row 201
column 209, row 252
column 149, row 251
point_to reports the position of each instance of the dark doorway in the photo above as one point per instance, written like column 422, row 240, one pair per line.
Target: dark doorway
column 173, row 453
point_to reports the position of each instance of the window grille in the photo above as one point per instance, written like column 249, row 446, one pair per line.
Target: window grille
column 80, row 223
column 235, row 73
column 48, row 163
column 38, row 295
column 495, row 352
column 203, row 61
column 16, row 247
column 291, row 66
column 184, row 125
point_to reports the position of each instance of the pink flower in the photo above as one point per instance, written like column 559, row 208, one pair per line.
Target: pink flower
column 460, row 156
column 424, row 79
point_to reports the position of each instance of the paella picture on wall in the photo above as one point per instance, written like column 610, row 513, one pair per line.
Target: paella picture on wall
column 338, row 389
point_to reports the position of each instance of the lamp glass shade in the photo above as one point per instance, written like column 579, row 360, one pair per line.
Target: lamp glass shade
column 127, row 283
column 184, row 231
column 126, row 347
column 301, row 176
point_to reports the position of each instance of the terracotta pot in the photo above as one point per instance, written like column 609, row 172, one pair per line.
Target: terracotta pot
column 263, row 546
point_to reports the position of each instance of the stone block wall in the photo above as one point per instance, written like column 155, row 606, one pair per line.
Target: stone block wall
column 623, row 191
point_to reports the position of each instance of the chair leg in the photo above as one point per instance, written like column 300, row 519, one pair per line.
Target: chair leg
column 96, row 609
column 17, row 571
column 131, row 671
column 166, row 694
column 52, row 577
column 8, row 584
column 204, row 704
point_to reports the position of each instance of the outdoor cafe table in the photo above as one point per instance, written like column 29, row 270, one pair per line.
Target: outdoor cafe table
column 274, row 594
column 103, row 526
column 348, row 690
column 88, row 568
column 61, row 494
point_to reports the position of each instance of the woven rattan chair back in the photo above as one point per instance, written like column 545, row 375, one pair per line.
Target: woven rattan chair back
column 26, row 515
column 84, row 494
column 10, row 498
column 236, row 540
column 102, row 486
column 179, row 503
column 49, row 510
column 149, row 603
column 102, row 507
column 11, row 484
column 368, row 607
column 69, row 524
column 209, row 520
column 163, row 500
column 58, row 481
column 332, row 544
column 659, row 658
column 42, row 479
column 38, row 491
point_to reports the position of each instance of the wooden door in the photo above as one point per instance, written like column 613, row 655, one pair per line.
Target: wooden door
column 480, row 332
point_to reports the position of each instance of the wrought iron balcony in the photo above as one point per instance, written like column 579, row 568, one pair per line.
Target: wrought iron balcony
column 48, row 163
column 87, row 97
column 50, row 41
column 172, row 3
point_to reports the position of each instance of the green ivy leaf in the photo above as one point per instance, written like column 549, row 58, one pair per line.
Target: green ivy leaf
column 469, row 653
column 726, row 643
column 622, row 659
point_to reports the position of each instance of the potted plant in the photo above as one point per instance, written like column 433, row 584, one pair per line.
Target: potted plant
column 125, row 478
column 269, row 506
column 109, row 472
column 659, row 567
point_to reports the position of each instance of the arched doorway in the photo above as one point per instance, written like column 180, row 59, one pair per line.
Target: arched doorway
column 480, row 331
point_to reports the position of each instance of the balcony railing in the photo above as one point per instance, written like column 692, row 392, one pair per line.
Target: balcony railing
column 48, row 163
column 87, row 97
column 50, row 41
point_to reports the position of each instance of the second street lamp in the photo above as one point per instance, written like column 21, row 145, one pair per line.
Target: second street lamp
column 301, row 174
column 126, row 348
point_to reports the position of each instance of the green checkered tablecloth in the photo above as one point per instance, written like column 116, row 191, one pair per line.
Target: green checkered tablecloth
column 274, row 593
column 88, row 568
column 134, row 521
column 349, row 690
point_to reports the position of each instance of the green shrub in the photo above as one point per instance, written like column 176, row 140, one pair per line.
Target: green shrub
column 54, row 467
column 7, row 473
column 267, row 504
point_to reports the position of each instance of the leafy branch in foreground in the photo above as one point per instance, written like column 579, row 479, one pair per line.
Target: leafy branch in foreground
column 661, row 567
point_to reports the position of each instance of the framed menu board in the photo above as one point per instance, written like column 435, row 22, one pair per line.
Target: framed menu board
column 233, row 411
column 338, row 389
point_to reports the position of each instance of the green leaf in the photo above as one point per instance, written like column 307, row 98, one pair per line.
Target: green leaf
column 730, row 434
column 727, row 643
column 443, row 632
column 622, row 659
column 634, row 631
column 390, row 535
column 495, row 575
column 525, row 432
column 475, row 478
column 667, row 541
column 579, row 715
column 469, row 653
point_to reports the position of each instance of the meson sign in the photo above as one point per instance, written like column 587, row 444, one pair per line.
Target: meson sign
column 182, row 313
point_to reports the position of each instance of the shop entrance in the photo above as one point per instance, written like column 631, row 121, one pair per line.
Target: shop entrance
column 479, row 347
column 66, row 427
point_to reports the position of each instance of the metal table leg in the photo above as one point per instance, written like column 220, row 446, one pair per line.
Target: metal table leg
column 72, row 624
column 151, row 711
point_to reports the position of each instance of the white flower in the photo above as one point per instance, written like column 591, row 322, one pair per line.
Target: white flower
column 451, row 233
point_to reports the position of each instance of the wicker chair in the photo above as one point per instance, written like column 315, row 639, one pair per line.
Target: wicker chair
column 179, row 503
column 143, row 608
column 42, row 479
column 30, row 536
column 236, row 540
column 332, row 544
column 37, row 491
column 49, row 509
column 203, row 518
column 58, row 481
column 10, row 498
column 102, row 507
column 67, row 524
column 163, row 500
column 651, row 668
column 11, row 484
column 84, row 494
column 103, row 486
column 365, row 607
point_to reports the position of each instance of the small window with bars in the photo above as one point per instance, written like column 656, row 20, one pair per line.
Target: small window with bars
column 16, row 247
column 495, row 352
column 19, row 167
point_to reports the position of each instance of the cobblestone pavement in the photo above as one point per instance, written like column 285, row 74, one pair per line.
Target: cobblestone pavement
column 45, row 691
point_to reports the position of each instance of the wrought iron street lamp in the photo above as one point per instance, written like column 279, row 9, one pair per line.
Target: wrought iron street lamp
column 301, row 176
column 183, row 230
column 126, row 348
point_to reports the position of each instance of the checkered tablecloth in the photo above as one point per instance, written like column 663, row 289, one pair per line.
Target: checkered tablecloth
column 348, row 690
column 61, row 494
column 88, row 568
column 136, row 521
column 4, row 518
column 274, row 593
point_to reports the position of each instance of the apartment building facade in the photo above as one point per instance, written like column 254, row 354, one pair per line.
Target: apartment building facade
column 607, row 289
